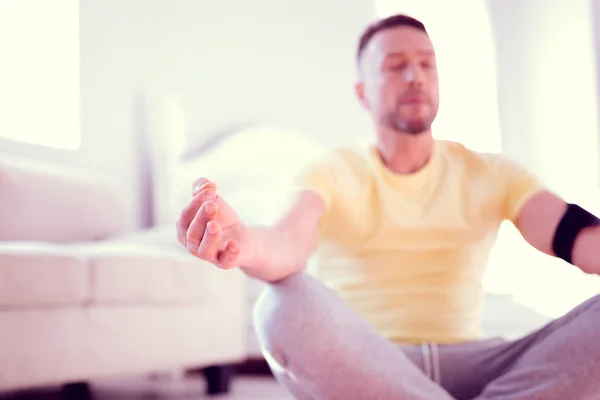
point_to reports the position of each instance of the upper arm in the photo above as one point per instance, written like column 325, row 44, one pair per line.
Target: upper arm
column 517, row 187
column 528, row 204
column 537, row 213
column 313, row 192
column 538, row 219
column 302, row 219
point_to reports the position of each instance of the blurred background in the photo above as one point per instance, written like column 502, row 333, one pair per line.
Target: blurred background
column 110, row 109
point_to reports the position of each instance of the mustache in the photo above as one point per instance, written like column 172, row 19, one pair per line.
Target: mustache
column 409, row 94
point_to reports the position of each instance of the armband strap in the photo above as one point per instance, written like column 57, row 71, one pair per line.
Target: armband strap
column 574, row 220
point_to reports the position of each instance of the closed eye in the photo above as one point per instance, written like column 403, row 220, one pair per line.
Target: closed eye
column 396, row 66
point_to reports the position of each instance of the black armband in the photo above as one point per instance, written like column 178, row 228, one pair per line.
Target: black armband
column 572, row 222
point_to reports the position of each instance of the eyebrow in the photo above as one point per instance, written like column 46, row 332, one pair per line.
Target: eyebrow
column 402, row 54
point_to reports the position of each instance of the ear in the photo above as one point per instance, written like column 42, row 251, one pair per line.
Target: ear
column 359, row 90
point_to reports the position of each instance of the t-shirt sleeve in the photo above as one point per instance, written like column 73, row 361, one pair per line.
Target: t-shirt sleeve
column 318, row 176
column 517, row 185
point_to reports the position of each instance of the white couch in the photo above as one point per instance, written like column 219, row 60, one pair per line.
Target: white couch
column 82, row 298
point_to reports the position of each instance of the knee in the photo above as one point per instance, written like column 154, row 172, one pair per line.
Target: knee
column 277, row 317
column 584, row 320
column 592, row 304
column 596, row 300
column 280, row 305
column 290, row 308
column 267, row 311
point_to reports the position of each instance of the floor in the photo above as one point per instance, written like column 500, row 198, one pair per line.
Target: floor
column 191, row 388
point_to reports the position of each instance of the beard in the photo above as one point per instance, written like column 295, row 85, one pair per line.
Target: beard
column 412, row 126
column 411, row 119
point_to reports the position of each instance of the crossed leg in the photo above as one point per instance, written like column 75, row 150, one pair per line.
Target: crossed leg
column 559, row 361
column 320, row 349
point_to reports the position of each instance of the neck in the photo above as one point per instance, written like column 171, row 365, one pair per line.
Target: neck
column 404, row 153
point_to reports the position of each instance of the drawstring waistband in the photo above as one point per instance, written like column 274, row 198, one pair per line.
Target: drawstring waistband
column 431, row 361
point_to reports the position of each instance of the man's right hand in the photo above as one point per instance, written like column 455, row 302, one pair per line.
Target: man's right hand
column 210, row 229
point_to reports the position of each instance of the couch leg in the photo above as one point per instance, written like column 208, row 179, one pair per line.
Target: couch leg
column 218, row 378
column 77, row 391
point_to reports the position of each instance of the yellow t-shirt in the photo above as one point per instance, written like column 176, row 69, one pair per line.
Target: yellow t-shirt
column 408, row 252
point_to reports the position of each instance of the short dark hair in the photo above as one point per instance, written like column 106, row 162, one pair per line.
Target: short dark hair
column 383, row 24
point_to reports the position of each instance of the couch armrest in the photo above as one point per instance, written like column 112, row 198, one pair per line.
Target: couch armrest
column 42, row 202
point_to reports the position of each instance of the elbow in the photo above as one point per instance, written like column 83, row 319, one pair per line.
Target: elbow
column 591, row 267
column 585, row 251
column 588, row 262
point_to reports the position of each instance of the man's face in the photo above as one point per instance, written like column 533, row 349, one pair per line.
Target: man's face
column 399, row 82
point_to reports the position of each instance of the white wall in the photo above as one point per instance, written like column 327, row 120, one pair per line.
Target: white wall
column 548, row 88
column 595, row 14
column 234, row 62
column 229, row 62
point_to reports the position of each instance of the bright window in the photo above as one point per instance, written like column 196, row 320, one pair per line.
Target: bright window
column 464, row 44
column 39, row 72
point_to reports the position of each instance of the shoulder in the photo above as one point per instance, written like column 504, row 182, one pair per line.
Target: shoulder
column 498, row 174
column 481, row 162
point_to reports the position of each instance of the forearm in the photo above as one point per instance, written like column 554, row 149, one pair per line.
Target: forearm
column 586, row 251
column 272, row 253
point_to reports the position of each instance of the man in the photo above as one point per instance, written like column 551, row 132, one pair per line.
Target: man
column 400, row 233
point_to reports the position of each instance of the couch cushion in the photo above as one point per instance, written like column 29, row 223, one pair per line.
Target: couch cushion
column 164, row 237
column 44, row 202
column 38, row 274
column 130, row 273
column 41, row 275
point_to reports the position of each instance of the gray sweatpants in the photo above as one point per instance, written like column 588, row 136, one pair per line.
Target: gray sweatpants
column 319, row 349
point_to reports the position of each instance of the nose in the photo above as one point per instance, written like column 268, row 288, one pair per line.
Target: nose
column 414, row 75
